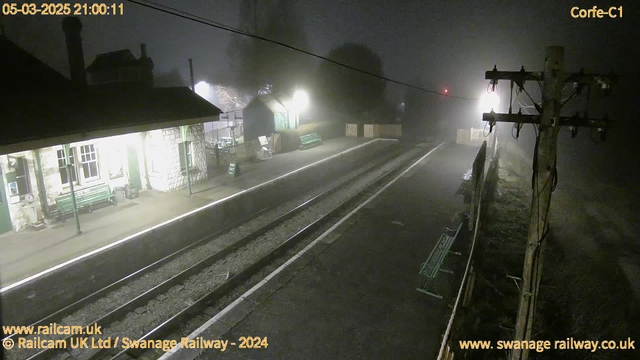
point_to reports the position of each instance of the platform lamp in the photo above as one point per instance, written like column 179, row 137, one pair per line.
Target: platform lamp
column 300, row 103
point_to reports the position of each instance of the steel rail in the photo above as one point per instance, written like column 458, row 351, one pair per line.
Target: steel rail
column 164, row 286
column 218, row 293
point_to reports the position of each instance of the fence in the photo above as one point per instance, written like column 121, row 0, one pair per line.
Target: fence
column 240, row 152
column 382, row 130
column 351, row 130
column 214, row 135
column 466, row 286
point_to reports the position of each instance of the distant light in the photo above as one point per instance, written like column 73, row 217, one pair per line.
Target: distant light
column 300, row 100
column 446, row 91
column 203, row 89
column 488, row 102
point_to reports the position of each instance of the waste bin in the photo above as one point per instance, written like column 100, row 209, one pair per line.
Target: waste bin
column 118, row 192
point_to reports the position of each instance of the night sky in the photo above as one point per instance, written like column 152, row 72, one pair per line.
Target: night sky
column 448, row 44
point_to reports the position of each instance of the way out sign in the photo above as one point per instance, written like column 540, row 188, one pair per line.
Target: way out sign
column 234, row 169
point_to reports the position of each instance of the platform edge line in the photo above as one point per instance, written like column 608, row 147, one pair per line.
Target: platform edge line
column 242, row 297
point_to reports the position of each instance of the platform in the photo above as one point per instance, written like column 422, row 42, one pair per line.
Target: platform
column 30, row 252
column 353, row 295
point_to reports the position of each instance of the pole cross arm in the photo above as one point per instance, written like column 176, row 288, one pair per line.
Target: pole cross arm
column 605, row 81
column 575, row 121
column 512, row 75
column 519, row 77
column 513, row 118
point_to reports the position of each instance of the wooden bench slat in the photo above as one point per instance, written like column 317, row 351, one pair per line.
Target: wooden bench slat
column 310, row 139
column 84, row 197
column 432, row 266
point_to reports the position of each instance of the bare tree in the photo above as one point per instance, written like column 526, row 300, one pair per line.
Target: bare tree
column 231, row 99
column 261, row 67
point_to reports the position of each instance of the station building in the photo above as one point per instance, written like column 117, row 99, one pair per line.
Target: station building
column 119, row 130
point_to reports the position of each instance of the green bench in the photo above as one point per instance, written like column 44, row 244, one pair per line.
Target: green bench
column 310, row 140
column 84, row 198
column 431, row 268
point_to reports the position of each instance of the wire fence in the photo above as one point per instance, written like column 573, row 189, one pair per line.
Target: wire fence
column 479, row 177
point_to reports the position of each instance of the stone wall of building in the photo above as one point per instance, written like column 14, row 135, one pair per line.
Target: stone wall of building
column 113, row 154
column 51, row 173
column 175, row 177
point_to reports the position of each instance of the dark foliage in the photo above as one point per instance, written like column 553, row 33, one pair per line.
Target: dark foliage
column 348, row 91
column 261, row 67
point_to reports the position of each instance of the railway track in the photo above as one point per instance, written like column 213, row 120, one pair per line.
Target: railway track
column 195, row 288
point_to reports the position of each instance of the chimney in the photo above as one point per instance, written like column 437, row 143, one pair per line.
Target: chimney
column 72, row 27
column 147, row 64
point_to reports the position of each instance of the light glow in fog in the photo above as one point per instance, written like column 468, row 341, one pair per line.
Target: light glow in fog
column 488, row 102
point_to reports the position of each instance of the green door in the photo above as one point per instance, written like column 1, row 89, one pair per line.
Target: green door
column 5, row 218
column 134, row 168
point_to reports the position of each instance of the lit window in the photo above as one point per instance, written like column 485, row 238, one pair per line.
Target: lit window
column 116, row 170
column 156, row 158
column 62, row 167
column 89, row 161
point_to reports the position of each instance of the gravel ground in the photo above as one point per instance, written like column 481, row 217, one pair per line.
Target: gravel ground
column 145, row 318
column 197, row 321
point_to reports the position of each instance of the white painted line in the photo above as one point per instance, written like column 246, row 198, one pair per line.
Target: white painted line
column 257, row 286
column 106, row 247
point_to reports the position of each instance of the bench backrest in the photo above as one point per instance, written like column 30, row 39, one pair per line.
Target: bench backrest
column 431, row 267
column 85, row 196
column 309, row 138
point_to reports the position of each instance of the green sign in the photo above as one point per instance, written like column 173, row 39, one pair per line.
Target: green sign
column 234, row 169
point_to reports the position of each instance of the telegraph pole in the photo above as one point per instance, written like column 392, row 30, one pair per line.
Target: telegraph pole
column 544, row 166
column 544, row 174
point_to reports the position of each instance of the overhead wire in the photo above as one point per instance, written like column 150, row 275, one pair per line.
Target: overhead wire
column 204, row 21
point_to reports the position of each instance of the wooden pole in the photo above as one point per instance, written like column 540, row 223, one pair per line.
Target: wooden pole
column 543, row 182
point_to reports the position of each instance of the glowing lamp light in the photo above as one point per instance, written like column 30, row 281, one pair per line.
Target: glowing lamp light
column 488, row 102
column 203, row 89
column 300, row 100
column 446, row 91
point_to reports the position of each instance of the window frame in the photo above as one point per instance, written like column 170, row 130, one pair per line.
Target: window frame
column 155, row 156
column 23, row 164
column 115, row 158
column 92, row 157
column 74, row 165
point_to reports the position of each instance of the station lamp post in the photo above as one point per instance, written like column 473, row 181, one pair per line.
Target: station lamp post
column 70, row 172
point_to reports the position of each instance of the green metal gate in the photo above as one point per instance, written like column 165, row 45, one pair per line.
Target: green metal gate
column 134, row 167
column 5, row 217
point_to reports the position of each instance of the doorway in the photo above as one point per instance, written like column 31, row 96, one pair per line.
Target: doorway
column 134, row 168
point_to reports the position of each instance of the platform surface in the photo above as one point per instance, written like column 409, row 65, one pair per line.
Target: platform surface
column 354, row 296
column 29, row 252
